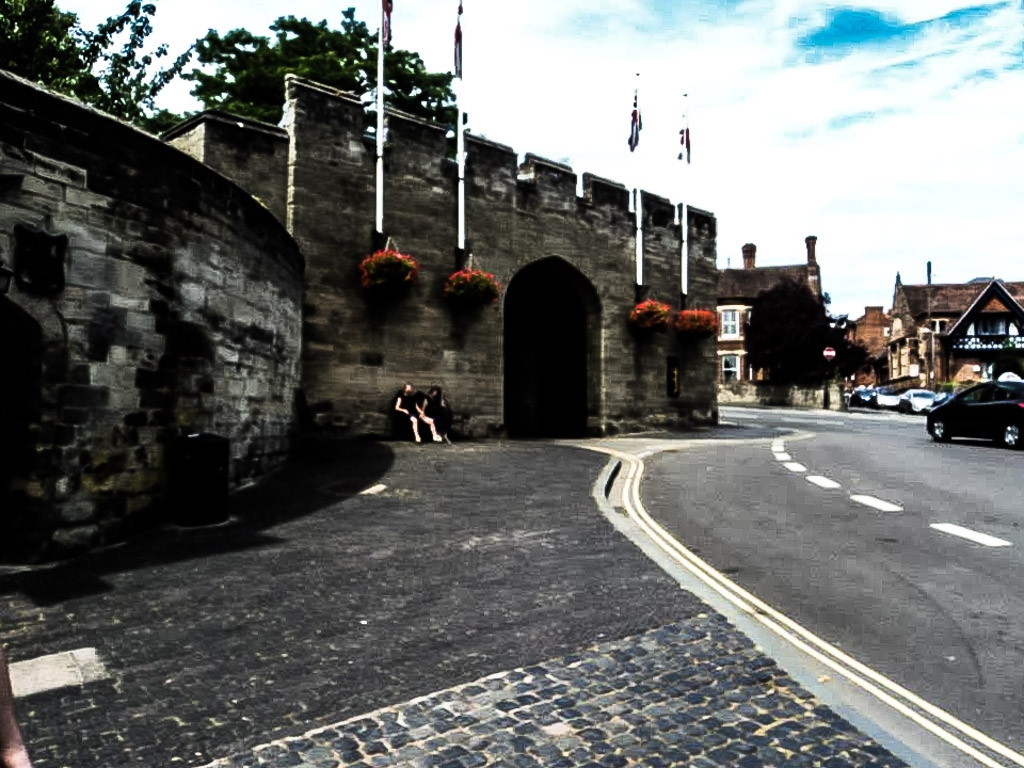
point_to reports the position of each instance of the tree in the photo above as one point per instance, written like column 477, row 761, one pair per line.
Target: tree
column 249, row 70
column 788, row 330
column 41, row 43
column 38, row 43
column 1008, row 360
column 124, row 87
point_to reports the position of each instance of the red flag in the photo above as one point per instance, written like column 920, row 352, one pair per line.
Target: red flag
column 458, row 44
column 635, row 124
column 388, row 6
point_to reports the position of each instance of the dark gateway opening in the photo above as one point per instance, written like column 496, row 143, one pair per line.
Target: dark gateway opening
column 21, row 366
column 552, row 323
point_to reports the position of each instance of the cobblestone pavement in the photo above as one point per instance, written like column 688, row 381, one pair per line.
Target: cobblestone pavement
column 690, row 694
column 318, row 605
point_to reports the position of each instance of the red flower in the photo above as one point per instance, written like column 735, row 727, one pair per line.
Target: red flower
column 650, row 315
column 697, row 322
column 471, row 287
column 388, row 269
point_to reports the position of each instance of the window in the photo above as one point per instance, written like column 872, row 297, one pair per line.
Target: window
column 990, row 326
column 730, row 323
column 730, row 367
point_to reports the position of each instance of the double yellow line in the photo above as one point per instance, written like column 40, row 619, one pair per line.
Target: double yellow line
column 928, row 716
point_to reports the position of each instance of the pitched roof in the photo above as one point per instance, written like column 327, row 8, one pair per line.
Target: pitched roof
column 749, row 283
column 986, row 296
column 950, row 298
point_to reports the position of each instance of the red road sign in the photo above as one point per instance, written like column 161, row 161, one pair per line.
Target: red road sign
column 829, row 354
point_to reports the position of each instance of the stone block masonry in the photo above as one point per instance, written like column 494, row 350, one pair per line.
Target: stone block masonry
column 178, row 311
column 525, row 224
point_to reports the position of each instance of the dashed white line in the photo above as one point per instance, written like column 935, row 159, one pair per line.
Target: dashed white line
column 822, row 482
column 783, row 457
column 373, row 490
column 871, row 501
column 975, row 536
column 795, row 466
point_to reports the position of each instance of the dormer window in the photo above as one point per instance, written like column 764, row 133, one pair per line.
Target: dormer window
column 990, row 326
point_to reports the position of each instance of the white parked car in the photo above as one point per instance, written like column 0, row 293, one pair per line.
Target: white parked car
column 887, row 398
column 916, row 401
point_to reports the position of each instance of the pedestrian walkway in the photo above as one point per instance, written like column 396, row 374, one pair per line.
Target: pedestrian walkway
column 319, row 622
column 691, row 694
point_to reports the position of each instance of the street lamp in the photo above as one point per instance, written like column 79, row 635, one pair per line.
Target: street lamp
column 6, row 275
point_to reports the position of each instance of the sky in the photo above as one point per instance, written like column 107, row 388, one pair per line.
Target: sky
column 893, row 131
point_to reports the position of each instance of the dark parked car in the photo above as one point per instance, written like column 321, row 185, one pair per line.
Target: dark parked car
column 993, row 410
column 864, row 398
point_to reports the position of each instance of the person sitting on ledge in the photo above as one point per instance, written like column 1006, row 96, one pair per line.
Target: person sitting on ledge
column 410, row 402
column 436, row 408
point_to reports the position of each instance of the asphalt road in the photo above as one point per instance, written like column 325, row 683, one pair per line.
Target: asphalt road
column 940, row 614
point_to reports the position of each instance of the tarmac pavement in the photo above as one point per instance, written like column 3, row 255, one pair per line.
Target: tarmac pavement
column 477, row 610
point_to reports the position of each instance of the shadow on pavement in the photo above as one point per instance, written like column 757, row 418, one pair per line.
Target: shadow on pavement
column 323, row 469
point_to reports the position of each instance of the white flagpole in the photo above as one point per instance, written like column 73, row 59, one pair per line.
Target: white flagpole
column 460, row 141
column 638, row 199
column 684, row 258
column 380, row 124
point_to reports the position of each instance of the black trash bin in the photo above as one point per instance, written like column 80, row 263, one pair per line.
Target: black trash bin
column 197, row 477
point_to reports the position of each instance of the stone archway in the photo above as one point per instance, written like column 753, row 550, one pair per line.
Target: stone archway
column 21, row 350
column 552, row 352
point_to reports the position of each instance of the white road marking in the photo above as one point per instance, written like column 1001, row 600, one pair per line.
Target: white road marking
column 871, row 501
column 794, row 466
column 373, row 490
column 925, row 714
column 783, row 456
column 822, row 482
column 975, row 536
column 57, row 670
column 778, row 446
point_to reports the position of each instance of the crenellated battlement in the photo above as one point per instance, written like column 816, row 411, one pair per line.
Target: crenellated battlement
column 518, row 215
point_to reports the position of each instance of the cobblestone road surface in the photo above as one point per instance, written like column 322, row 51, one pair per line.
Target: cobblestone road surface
column 318, row 606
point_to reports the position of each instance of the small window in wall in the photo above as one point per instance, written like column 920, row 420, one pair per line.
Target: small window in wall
column 730, row 367
column 730, row 323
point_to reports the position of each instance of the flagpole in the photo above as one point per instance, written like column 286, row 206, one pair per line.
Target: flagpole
column 460, row 133
column 380, row 121
column 684, row 256
column 637, row 194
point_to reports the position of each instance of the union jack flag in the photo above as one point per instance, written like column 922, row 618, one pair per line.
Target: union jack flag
column 635, row 124
column 388, row 7
column 458, row 44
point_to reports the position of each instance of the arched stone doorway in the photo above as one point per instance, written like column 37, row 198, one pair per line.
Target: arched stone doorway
column 21, row 350
column 552, row 352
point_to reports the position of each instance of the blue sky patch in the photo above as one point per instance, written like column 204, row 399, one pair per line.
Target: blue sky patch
column 849, row 28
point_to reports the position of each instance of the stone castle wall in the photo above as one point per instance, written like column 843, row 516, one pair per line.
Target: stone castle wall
column 180, row 313
column 357, row 353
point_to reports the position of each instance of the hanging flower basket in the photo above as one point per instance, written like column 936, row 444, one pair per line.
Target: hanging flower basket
column 471, row 289
column 388, row 271
column 649, row 315
column 696, row 323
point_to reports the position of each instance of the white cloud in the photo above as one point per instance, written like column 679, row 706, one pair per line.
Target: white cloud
column 938, row 174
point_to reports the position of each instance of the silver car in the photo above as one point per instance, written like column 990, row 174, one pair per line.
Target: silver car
column 887, row 398
column 916, row 401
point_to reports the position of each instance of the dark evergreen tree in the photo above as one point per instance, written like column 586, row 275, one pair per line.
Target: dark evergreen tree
column 789, row 328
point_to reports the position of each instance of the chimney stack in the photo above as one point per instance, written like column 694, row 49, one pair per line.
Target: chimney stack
column 749, row 250
column 811, row 241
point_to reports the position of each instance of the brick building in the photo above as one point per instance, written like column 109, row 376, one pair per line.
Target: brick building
column 737, row 289
column 871, row 330
column 952, row 332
